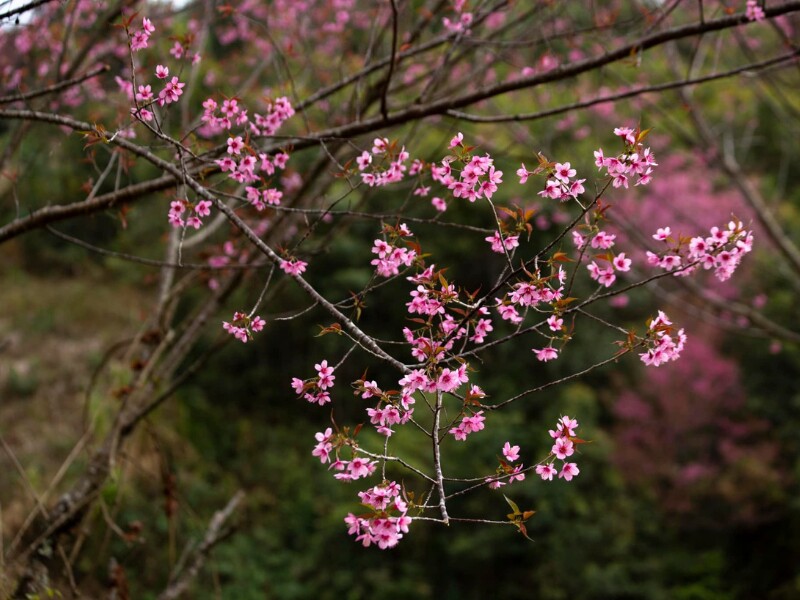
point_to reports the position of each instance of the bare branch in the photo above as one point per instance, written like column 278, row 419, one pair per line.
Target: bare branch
column 217, row 531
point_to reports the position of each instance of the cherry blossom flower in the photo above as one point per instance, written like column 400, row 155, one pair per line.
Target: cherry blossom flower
column 555, row 323
column 568, row 471
column 754, row 12
column 545, row 354
column 325, row 374
column 510, row 452
column 546, row 472
column 294, row 268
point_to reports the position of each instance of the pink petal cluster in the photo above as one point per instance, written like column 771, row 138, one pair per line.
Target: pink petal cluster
column 141, row 36
column 507, row 474
column 242, row 327
column 469, row 424
column 662, row 346
column 172, row 92
column 753, row 11
column 353, row 469
column 389, row 519
column 390, row 166
column 391, row 256
column 183, row 213
column 324, row 445
column 563, row 448
column 559, row 184
column 635, row 161
column 477, row 179
column 260, row 199
column 315, row 390
column 722, row 250
column 546, row 354
column 294, row 267
column 501, row 244
column 393, row 408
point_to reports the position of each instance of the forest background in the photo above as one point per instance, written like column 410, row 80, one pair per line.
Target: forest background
column 689, row 487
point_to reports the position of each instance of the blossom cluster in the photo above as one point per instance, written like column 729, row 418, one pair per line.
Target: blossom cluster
column 244, row 171
column 478, row 177
column 636, row 161
column 559, row 184
column 722, row 250
column 463, row 21
column 389, row 519
column 564, row 441
column 430, row 298
column 663, row 344
column 503, row 243
column 385, row 164
column 446, row 315
column 242, row 327
column 602, row 240
column 506, row 473
column 294, row 267
column 141, row 36
column 232, row 113
column 183, row 213
column 315, row 390
column 393, row 408
column 391, row 256
column 754, row 12
column 469, row 424
column 530, row 293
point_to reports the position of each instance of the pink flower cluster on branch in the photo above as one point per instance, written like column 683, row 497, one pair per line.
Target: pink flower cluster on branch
column 385, row 164
column 478, row 177
column 563, row 447
column 315, row 390
column 446, row 319
column 635, row 161
column 140, row 37
column 662, row 342
column 183, row 213
column 722, row 250
column 506, row 473
column 392, row 256
column 242, row 327
column 388, row 520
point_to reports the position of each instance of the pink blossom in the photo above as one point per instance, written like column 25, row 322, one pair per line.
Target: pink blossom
column 754, row 12
column 298, row 385
column 564, row 172
column 568, row 471
column 203, row 208
column 235, row 145
column 439, row 204
column 662, row 233
column 546, row 472
column 563, row 448
column 144, row 94
column 555, row 323
column 510, row 452
column 364, row 160
column 294, row 267
column 325, row 374
column 545, row 354
column 498, row 242
column 621, row 263
column 567, row 426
